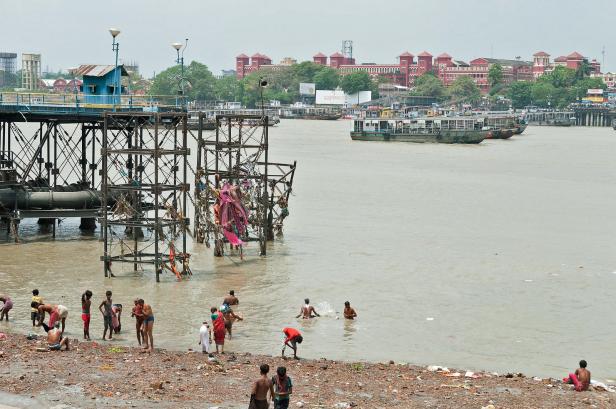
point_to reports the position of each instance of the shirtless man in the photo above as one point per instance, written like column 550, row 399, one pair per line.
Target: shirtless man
column 349, row 313
column 231, row 299
column 105, row 308
column 56, row 313
column 260, row 388
column 307, row 311
column 55, row 341
column 230, row 318
column 580, row 379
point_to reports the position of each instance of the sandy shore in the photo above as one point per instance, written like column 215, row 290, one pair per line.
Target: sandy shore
column 95, row 374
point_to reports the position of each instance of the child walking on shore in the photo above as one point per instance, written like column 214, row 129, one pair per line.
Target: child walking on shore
column 86, row 303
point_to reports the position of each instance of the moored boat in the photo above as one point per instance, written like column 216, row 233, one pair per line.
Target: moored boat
column 305, row 112
column 501, row 126
column 463, row 130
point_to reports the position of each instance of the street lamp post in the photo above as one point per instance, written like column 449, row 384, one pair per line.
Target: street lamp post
column 115, row 46
column 180, row 62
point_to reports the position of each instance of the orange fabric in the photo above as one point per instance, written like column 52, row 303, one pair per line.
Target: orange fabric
column 290, row 333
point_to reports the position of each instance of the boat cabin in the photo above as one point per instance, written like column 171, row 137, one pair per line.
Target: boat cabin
column 416, row 125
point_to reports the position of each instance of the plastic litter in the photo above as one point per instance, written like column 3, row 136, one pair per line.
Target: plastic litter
column 436, row 368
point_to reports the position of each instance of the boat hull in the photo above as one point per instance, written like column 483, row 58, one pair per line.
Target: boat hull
column 519, row 129
column 445, row 136
column 501, row 133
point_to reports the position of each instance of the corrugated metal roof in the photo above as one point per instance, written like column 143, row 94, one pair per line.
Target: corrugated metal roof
column 91, row 70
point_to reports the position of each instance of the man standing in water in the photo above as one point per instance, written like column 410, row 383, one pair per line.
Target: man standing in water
column 230, row 318
column 293, row 337
column 231, row 299
column 260, row 387
column 307, row 311
column 105, row 309
column 148, row 325
column 349, row 313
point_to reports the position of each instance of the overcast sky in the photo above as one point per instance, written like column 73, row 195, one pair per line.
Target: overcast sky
column 72, row 32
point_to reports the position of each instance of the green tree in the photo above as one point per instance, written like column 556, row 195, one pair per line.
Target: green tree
column 198, row 83
column 305, row 71
column 428, row 85
column 227, row 89
column 327, row 78
column 495, row 75
column 519, row 93
column 464, row 89
column 543, row 94
column 583, row 70
column 357, row 81
column 559, row 77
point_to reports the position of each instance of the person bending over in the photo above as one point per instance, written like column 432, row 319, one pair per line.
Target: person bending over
column 293, row 337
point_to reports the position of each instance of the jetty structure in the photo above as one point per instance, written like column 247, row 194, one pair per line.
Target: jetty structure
column 124, row 161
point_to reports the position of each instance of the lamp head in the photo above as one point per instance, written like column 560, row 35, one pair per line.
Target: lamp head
column 262, row 82
column 177, row 46
column 114, row 32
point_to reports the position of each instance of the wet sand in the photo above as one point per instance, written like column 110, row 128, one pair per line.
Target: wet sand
column 99, row 374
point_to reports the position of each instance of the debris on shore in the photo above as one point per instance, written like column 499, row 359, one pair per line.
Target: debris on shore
column 95, row 374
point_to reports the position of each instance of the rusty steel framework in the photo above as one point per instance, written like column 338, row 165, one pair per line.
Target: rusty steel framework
column 236, row 154
column 144, row 191
column 45, row 161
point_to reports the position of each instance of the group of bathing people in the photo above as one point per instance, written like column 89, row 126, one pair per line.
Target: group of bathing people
column 222, row 321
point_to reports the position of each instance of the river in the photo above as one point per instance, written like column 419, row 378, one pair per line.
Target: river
column 499, row 256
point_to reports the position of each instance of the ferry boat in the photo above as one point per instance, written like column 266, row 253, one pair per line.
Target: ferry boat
column 306, row 112
column 421, row 130
column 501, row 126
column 209, row 122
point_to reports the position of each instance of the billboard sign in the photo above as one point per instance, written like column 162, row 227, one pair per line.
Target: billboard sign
column 324, row 97
column 359, row 98
column 306, row 88
column 595, row 91
column 338, row 97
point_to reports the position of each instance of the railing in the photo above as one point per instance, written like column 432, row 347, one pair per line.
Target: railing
column 32, row 101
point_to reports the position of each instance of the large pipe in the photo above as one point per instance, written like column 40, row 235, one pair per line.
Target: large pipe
column 30, row 200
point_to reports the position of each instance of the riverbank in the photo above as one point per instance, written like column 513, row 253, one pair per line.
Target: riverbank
column 97, row 374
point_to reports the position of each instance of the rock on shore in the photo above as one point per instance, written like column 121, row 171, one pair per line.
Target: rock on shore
column 97, row 374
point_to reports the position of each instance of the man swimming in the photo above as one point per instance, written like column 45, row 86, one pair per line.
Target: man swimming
column 307, row 311
column 293, row 337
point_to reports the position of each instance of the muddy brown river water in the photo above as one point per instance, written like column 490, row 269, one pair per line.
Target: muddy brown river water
column 499, row 256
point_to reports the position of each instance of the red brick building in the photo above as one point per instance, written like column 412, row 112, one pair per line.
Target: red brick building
column 409, row 67
column 542, row 64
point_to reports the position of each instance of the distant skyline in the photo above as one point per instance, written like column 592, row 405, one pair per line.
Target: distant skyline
column 70, row 32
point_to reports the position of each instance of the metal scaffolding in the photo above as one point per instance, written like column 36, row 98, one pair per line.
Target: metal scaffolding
column 144, row 172
column 235, row 159
column 53, row 170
